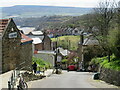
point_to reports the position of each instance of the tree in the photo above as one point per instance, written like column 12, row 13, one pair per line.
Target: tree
column 104, row 14
column 114, row 42
column 114, row 35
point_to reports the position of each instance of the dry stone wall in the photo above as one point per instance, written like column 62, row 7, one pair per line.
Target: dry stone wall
column 110, row 76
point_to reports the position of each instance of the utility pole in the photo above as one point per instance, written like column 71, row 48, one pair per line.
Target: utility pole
column 56, row 51
column 80, row 64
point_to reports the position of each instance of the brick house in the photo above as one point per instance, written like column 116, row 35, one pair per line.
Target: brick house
column 15, row 48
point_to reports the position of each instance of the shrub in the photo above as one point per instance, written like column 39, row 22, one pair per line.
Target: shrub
column 114, row 64
column 64, row 61
column 41, row 63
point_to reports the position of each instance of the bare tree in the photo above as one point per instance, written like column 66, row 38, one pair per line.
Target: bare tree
column 118, row 15
column 104, row 14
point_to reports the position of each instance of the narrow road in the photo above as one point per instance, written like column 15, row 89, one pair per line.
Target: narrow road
column 69, row 80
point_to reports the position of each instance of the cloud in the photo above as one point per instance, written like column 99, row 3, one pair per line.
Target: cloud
column 70, row 3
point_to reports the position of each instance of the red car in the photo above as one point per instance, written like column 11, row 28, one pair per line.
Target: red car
column 71, row 68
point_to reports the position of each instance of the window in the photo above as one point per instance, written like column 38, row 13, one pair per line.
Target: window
column 13, row 35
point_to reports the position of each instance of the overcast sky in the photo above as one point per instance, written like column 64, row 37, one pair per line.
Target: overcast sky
column 69, row 3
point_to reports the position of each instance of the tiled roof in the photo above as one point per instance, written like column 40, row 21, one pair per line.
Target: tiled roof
column 3, row 23
column 25, row 38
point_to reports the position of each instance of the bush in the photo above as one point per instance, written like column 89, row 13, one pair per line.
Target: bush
column 64, row 61
column 114, row 64
column 41, row 63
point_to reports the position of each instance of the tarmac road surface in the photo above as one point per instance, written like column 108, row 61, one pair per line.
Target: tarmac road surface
column 70, row 79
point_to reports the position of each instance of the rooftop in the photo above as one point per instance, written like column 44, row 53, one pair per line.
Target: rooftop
column 3, row 24
column 90, row 41
column 25, row 38
column 36, row 40
column 47, row 52
column 36, row 33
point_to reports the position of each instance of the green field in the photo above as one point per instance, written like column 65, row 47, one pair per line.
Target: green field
column 70, row 42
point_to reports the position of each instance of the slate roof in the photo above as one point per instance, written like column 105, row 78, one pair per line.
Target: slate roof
column 90, row 41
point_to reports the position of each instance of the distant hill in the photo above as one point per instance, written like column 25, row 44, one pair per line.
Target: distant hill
column 38, row 11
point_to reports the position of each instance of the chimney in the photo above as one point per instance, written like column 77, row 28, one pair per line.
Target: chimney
column 81, row 38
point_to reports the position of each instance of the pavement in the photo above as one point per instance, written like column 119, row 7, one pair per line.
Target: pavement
column 4, row 78
column 70, row 80
column 48, row 72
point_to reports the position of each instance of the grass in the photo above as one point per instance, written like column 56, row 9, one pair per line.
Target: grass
column 70, row 42
column 114, row 64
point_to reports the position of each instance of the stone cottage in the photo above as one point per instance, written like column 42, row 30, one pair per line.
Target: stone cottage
column 15, row 48
column 89, row 41
column 40, row 40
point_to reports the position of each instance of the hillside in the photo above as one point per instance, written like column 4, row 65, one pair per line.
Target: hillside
column 38, row 11
column 42, row 22
column 70, row 42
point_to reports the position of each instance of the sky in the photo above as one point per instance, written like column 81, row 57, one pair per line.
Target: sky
column 66, row 3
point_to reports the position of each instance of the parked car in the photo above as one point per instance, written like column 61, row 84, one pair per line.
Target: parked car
column 71, row 68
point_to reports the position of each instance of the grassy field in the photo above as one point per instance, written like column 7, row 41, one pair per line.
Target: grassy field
column 70, row 42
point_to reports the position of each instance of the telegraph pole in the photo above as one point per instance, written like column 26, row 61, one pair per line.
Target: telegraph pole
column 80, row 64
column 56, row 67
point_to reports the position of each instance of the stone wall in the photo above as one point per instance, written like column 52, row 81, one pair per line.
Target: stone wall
column 39, row 46
column 26, row 57
column 10, row 55
column 110, row 76
column 13, row 53
column 10, row 48
column 0, row 54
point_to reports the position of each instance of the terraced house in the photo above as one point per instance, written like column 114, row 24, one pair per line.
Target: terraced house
column 15, row 47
